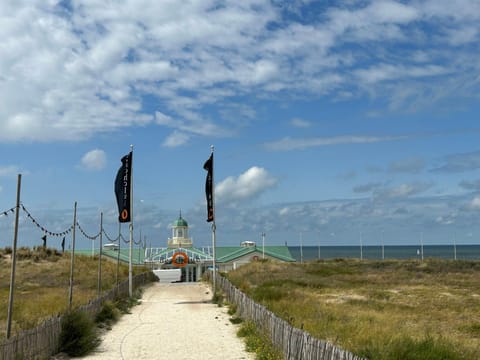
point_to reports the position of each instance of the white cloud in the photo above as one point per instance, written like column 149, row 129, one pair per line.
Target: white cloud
column 67, row 74
column 94, row 160
column 475, row 203
column 386, row 72
column 250, row 184
column 176, row 139
column 10, row 170
column 401, row 191
column 289, row 143
column 300, row 123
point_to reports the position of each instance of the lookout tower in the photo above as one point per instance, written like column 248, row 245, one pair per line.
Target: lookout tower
column 180, row 237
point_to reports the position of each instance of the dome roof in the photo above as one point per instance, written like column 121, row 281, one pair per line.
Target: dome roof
column 180, row 222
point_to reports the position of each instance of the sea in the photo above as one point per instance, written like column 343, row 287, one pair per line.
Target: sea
column 458, row 252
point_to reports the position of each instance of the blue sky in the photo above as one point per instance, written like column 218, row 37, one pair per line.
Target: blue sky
column 335, row 120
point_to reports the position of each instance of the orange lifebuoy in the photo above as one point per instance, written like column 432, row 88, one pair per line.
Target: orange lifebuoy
column 255, row 258
column 182, row 255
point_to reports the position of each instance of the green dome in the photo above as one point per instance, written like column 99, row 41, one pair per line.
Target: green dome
column 180, row 222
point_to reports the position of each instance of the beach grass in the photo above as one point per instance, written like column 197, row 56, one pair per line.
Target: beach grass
column 42, row 284
column 395, row 309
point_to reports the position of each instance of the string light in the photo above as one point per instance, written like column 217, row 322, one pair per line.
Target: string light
column 44, row 230
column 5, row 213
column 109, row 238
column 68, row 230
column 85, row 234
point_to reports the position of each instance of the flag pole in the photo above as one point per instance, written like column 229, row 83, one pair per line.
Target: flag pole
column 130, row 267
column 14, row 255
column 118, row 253
column 100, row 256
column 72, row 260
column 214, row 227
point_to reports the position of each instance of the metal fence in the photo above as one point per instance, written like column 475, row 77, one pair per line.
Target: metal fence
column 42, row 341
column 293, row 342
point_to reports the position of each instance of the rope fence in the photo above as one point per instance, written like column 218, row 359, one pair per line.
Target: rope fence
column 69, row 229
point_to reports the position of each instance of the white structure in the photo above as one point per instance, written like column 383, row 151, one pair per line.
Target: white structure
column 179, row 237
column 180, row 255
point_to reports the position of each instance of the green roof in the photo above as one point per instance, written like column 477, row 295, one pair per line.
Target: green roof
column 180, row 222
column 229, row 253
column 224, row 253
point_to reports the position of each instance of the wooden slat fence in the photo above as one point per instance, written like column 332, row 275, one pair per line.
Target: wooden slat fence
column 42, row 342
column 293, row 342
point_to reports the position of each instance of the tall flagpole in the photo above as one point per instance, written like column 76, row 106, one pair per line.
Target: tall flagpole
column 72, row 260
column 100, row 256
column 14, row 259
column 130, row 267
column 118, row 253
column 214, row 227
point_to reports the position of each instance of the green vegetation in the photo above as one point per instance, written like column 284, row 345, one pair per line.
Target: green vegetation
column 258, row 342
column 42, row 284
column 377, row 309
column 218, row 298
column 108, row 315
column 79, row 335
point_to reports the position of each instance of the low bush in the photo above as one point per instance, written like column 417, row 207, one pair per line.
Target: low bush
column 108, row 314
column 258, row 342
column 407, row 348
column 78, row 336
column 218, row 298
column 125, row 304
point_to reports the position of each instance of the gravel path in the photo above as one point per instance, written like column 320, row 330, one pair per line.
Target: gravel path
column 174, row 321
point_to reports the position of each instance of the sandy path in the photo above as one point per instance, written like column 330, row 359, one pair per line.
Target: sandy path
column 173, row 321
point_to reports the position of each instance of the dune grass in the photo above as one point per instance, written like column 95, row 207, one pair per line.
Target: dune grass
column 42, row 284
column 378, row 309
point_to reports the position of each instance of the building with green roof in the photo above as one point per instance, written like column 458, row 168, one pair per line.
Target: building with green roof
column 193, row 262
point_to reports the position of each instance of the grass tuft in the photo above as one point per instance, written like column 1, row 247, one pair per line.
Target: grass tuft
column 108, row 315
column 218, row 298
column 78, row 336
column 258, row 342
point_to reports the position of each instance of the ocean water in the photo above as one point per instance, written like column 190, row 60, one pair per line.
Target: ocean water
column 462, row 252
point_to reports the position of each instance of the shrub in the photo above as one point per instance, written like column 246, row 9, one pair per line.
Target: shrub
column 268, row 293
column 78, row 336
column 218, row 298
column 108, row 314
column 407, row 348
column 125, row 304
column 232, row 309
column 258, row 342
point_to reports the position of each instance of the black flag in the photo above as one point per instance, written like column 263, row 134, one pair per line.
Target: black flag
column 44, row 238
column 63, row 245
column 122, row 188
column 209, row 187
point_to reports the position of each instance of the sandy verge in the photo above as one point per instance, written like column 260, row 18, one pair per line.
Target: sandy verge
column 176, row 321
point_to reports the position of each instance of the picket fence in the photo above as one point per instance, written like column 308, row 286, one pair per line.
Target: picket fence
column 294, row 343
column 42, row 341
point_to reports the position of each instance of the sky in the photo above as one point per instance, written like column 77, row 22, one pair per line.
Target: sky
column 333, row 122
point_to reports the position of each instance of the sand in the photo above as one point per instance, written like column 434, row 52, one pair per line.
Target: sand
column 174, row 321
